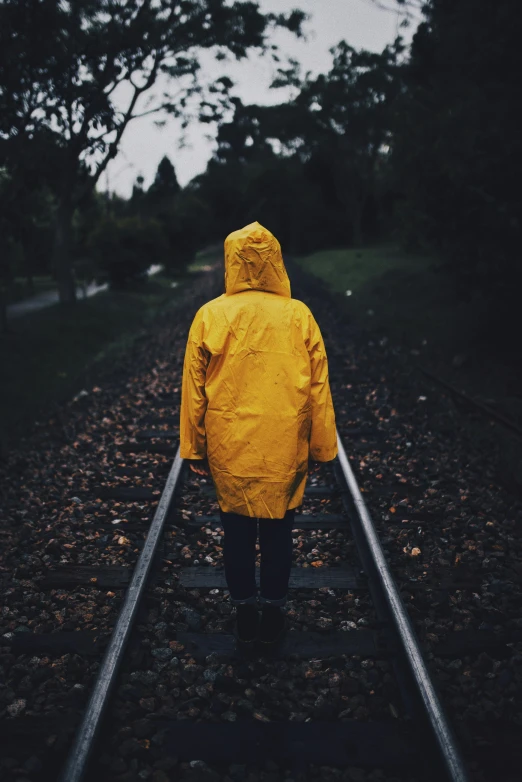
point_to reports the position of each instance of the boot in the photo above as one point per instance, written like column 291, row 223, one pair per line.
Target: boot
column 272, row 628
column 247, row 623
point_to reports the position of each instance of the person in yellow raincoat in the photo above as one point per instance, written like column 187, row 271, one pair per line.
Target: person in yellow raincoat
column 256, row 404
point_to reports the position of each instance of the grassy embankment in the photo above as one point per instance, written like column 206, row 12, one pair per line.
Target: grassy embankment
column 49, row 353
column 399, row 295
column 410, row 301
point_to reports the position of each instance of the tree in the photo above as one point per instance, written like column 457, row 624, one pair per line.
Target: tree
column 340, row 122
column 66, row 79
column 165, row 183
column 251, row 177
column 349, row 122
column 457, row 151
column 125, row 247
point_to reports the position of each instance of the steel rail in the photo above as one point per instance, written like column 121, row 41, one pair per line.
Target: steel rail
column 80, row 752
column 483, row 408
column 437, row 721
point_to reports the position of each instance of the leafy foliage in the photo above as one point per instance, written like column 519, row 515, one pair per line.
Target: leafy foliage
column 310, row 168
column 125, row 247
column 457, row 147
column 65, row 80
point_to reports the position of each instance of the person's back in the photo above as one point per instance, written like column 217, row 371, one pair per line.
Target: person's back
column 255, row 397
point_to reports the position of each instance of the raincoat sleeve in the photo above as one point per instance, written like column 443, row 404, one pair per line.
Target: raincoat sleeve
column 323, row 437
column 193, row 441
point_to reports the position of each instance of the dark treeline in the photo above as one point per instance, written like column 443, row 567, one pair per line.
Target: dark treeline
column 422, row 144
column 61, row 64
column 417, row 143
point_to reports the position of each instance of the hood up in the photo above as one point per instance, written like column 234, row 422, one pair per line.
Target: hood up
column 253, row 261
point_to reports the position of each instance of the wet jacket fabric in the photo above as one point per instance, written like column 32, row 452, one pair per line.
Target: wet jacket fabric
column 255, row 394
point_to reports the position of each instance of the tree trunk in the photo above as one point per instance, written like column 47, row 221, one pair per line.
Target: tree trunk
column 61, row 252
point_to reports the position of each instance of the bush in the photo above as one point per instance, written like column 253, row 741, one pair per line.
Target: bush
column 124, row 248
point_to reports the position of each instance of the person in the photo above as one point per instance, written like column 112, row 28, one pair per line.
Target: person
column 255, row 406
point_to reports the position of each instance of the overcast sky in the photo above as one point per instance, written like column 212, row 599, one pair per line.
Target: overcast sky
column 360, row 22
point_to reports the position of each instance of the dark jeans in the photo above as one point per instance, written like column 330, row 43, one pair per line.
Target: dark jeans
column 239, row 552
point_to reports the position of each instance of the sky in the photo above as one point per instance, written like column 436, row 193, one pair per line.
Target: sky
column 361, row 23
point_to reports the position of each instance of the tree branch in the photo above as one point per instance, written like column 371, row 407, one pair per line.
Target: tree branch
column 113, row 146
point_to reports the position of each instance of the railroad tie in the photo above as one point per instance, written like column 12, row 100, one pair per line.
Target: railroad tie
column 302, row 521
column 345, row 577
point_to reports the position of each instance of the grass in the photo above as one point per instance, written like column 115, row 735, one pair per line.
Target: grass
column 207, row 257
column 49, row 351
column 403, row 296
column 407, row 299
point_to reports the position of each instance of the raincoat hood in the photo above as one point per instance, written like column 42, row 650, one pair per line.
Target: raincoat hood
column 253, row 261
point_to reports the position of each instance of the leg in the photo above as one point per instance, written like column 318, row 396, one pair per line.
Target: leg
column 239, row 553
column 275, row 538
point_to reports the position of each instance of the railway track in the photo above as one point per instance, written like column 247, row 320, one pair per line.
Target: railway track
column 347, row 693
column 420, row 745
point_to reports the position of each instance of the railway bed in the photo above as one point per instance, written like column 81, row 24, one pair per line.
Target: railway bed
column 344, row 674
column 246, row 735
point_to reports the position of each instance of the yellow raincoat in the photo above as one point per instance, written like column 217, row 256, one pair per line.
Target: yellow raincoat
column 255, row 396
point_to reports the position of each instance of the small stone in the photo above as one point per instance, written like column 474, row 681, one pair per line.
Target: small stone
column 161, row 653
column 160, row 776
column 16, row 707
column 229, row 716
column 160, row 630
column 145, row 677
column 244, row 704
column 192, row 618
column 455, row 665
column 198, row 771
